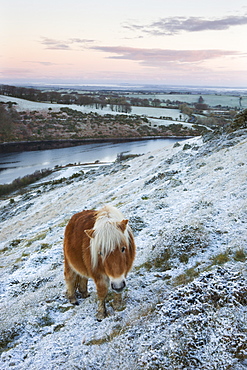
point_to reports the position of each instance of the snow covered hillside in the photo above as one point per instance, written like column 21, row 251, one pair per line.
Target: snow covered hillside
column 22, row 104
column 185, row 301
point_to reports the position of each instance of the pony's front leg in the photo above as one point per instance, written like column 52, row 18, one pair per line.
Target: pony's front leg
column 117, row 301
column 102, row 290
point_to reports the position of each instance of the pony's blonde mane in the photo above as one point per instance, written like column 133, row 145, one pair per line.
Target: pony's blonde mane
column 107, row 236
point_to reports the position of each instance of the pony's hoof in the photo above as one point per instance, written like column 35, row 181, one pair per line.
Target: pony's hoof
column 101, row 316
column 74, row 301
column 117, row 306
column 85, row 294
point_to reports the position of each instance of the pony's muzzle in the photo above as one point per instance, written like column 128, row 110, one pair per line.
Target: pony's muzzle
column 118, row 285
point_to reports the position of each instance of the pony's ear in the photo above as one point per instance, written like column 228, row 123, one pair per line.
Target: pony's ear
column 122, row 225
column 90, row 233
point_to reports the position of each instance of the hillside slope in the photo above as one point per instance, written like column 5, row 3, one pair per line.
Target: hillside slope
column 185, row 302
column 23, row 120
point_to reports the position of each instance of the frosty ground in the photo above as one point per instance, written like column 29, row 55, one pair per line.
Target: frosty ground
column 22, row 105
column 185, row 302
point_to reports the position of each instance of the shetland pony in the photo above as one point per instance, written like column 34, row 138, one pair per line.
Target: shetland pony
column 98, row 245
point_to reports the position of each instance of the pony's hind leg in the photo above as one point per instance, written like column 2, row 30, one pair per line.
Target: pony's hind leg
column 82, row 286
column 71, row 283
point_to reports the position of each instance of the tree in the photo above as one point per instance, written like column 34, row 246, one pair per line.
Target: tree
column 185, row 109
column 54, row 96
column 126, row 108
column 156, row 102
column 6, row 124
column 200, row 107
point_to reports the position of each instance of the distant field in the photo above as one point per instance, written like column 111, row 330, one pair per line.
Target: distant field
column 212, row 100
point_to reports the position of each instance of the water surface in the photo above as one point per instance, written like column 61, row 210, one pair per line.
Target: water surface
column 14, row 165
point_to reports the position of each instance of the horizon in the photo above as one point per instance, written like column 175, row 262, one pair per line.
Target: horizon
column 118, row 86
column 132, row 43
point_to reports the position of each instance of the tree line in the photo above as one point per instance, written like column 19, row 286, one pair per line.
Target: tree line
column 116, row 103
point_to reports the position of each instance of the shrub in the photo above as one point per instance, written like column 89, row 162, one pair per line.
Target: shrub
column 221, row 258
column 23, row 181
column 240, row 255
column 239, row 122
column 188, row 276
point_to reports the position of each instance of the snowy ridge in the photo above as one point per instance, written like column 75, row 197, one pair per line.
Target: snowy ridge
column 185, row 302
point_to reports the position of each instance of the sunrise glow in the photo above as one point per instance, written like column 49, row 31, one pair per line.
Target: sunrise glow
column 152, row 42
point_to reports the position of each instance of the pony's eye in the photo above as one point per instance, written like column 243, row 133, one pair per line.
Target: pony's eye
column 123, row 249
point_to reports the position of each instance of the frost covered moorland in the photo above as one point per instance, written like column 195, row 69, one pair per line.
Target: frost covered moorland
column 185, row 302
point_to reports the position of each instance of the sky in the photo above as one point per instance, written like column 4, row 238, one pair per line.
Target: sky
column 134, row 42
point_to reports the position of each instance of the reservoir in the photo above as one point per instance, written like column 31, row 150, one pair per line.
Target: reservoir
column 19, row 164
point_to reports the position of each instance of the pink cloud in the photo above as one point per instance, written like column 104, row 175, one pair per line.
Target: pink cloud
column 68, row 44
column 159, row 57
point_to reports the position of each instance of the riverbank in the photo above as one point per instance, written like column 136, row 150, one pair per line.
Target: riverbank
column 18, row 164
column 20, row 146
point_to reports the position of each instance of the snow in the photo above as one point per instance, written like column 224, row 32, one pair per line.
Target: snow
column 185, row 302
column 167, row 122
column 22, row 105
